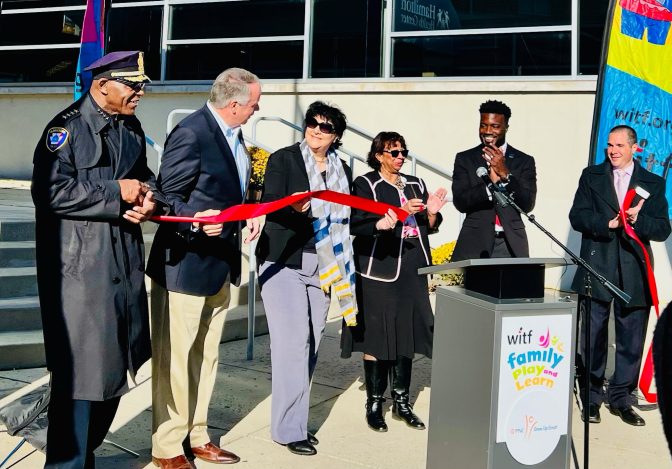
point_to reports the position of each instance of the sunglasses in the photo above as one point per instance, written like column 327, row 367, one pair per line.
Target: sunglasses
column 325, row 127
column 395, row 153
column 135, row 86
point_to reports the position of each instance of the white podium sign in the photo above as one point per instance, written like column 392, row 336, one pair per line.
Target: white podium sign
column 534, row 385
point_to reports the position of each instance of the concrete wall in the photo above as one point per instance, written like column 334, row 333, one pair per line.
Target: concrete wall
column 551, row 121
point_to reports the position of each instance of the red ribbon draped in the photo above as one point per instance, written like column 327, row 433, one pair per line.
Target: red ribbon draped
column 646, row 377
column 245, row 211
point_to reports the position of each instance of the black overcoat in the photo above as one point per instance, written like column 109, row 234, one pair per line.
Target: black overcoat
column 611, row 252
column 90, row 261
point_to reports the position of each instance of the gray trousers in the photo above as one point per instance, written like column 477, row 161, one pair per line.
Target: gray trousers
column 296, row 312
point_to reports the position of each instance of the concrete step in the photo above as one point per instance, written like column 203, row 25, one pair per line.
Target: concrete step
column 23, row 349
column 17, row 230
column 20, row 314
column 17, row 253
column 18, row 282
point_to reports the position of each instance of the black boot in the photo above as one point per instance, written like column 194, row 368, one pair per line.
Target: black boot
column 401, row 381
column 375, row 377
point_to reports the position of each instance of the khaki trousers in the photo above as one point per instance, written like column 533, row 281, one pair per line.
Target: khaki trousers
column 186, row 332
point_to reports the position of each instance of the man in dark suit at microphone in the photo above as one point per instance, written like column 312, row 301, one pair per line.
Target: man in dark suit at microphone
column 491, row 229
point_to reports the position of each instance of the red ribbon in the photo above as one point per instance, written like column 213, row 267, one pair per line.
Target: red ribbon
column 646, row 378
column 245, row 211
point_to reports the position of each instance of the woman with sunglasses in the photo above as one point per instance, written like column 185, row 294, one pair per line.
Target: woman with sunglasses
column 396, row 319
column 304, row 251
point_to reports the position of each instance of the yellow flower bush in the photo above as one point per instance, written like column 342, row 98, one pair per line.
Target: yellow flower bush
column 259, row 158
column 442, row 255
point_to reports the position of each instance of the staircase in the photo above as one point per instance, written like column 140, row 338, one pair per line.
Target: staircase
column 21, row 341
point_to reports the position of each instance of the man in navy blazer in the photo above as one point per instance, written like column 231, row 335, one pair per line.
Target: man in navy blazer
column 607, row 249
column 205, row 168
column 490, row 230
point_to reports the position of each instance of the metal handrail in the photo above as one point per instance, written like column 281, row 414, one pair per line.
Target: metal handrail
column 251, row 300
column 414, row 157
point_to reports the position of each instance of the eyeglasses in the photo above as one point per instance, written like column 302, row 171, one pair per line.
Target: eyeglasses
column 135, row 86
column 395, row 153
column 325, row 127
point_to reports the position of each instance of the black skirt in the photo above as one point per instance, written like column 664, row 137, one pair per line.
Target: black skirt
column 395, row 318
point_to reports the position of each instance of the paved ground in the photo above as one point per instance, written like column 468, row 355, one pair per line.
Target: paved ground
column 240, row 412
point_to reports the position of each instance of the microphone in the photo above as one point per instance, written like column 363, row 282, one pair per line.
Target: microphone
column 482, row 173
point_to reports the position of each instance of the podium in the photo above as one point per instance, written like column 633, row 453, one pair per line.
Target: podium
column 502, row 368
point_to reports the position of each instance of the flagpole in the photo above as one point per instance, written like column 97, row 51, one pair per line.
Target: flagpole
column 585, row 396
column 600, row 82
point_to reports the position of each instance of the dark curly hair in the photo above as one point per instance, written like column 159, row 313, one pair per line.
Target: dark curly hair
column 331, row 114
column 495, row 107
column 379, row 143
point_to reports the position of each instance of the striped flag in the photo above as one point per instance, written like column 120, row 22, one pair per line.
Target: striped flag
column 93, row 43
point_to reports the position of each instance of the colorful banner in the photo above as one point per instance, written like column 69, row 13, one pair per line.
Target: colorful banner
column 635, row 84
column 245, row 211
column 534, row 384
column 93, row 43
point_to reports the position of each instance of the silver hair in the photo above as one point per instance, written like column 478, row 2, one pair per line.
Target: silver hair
column 232, row 85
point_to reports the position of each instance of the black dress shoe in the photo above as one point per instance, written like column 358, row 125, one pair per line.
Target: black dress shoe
column 312, row 439
column 303, row 447
column 629, row 416
column 593, row 414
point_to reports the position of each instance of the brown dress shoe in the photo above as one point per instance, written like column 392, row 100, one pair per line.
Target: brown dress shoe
column 213, row 453
column 178, row 462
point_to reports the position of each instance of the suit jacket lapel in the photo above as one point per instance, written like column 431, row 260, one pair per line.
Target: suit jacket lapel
column 223, row 144
column 604, row 185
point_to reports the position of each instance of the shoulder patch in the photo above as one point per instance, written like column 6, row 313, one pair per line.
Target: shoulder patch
column 56, row 138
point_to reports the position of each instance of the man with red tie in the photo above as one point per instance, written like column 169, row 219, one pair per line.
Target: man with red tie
column 490, row 230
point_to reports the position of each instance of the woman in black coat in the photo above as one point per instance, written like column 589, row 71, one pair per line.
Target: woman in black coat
column 396, row 319
column 304, row 252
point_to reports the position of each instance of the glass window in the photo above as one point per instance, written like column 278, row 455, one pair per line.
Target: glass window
column 238, row 19
column 56, row 27
column 21, row 4
column 346, row 38
column 517, row 54
column 137, row 28
column 429, row 15
column 50, row 65
column 592, row 18
column 206, row 61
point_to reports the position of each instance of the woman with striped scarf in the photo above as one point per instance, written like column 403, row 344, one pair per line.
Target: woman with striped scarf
column 305, row 255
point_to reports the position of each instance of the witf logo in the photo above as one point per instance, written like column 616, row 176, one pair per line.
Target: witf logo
column 520, row 338
column 652, row 16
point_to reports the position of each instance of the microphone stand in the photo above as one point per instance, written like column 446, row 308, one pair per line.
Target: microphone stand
column 611, row 288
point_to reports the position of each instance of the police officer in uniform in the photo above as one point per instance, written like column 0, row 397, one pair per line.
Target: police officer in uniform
column 92, row 189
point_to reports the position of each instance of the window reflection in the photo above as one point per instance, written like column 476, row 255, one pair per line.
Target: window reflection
column 206, row 61
column 56, row 27
column 530, row 54
column 347, row 38
column 238, row 19
column 437, row 15
column 51, row 65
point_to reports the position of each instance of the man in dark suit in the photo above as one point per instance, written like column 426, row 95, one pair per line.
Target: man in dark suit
column 490, row 230
column 205, row 169
column 606, row 247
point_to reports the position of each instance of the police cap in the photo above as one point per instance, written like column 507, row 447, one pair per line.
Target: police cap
column 127, row 65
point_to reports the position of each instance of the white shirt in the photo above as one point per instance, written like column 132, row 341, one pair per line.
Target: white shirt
column 238, row 150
